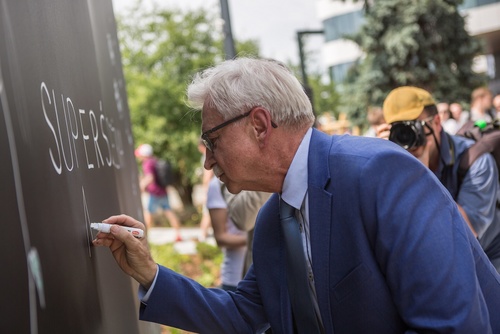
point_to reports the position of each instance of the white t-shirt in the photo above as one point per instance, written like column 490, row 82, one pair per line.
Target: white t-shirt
column 450, row 126
column 234, row 258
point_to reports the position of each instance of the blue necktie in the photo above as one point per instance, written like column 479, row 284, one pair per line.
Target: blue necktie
column 304, row 314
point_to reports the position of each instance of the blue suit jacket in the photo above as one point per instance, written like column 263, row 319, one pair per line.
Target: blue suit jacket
column 391, row 254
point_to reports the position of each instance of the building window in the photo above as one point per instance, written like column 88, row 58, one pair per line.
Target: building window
column 338, row 26
column 339, row 72
column 467, row 4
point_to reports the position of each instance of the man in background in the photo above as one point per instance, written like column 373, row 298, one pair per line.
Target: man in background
column 449, row 124
column 415, row 125
column 480, row 105
column 375, row 117
column 157, row 195
column 459, row 114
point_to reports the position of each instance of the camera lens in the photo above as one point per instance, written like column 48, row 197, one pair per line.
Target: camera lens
column 407, row 134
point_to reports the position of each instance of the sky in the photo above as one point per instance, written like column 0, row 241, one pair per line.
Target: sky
column 273, row 23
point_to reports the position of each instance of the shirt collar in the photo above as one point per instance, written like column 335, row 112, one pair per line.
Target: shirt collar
column 295, row 184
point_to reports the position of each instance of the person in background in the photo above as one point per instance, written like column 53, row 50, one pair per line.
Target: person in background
column 232, row 241
column 206, row 176
column 243, row 209
column 496, row 105
column 480, row 107
column 460, row 115
column 423, row 136
column 375, row 117
column 449, row 124
column 158, row 196
column 381, row 245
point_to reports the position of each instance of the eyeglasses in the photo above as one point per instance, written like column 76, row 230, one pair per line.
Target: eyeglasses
column 209, row 144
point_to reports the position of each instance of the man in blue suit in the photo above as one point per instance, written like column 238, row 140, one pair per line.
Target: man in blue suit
column 387, row 250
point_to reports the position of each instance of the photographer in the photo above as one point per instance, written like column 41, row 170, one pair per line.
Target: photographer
column 414, row 124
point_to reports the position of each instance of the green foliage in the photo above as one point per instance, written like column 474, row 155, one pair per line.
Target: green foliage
column 167, row 256
column 203, row 267
column 412, row 42
column 209, row 252
column 325, row 97
column 161, row 50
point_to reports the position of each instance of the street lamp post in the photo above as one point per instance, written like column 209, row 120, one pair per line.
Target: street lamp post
column 229, row 49
column 305, row 81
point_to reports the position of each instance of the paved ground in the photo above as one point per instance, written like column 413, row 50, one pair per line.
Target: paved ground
column 190, row 236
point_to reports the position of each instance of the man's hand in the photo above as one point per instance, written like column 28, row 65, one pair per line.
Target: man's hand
column 421, row 153
column 383, row 130
column 145, row 181
column 131, row 254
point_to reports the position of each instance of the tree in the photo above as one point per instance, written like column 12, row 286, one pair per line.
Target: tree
column 161, row 51
column 412, row 42
column 325, row 97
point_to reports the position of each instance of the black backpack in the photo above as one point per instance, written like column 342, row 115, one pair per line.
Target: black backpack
column 164, row 174
column 487, row 139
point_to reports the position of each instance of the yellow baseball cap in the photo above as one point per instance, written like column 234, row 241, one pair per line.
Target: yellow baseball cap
column 406, row 103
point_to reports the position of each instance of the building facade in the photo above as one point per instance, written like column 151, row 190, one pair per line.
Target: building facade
column 346, row 17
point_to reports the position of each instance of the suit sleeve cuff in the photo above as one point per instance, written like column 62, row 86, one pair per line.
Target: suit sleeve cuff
column 145, row 294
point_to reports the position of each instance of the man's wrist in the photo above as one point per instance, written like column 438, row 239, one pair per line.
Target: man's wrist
column 145, row 293
column 147, row 279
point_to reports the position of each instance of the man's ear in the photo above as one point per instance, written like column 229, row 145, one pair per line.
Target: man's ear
column 437, row 123
column 261, row 121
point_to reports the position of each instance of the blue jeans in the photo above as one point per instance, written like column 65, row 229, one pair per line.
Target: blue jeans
column 156, row 202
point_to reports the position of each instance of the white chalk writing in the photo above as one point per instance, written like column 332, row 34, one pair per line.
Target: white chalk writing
column 91, row 133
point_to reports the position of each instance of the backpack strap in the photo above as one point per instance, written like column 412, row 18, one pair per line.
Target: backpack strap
column 463, row 167
column 447, row 177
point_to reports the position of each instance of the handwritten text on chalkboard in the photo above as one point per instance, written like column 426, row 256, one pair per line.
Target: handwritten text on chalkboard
column 74, row 127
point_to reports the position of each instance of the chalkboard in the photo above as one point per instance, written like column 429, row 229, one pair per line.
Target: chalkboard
column 66, row 151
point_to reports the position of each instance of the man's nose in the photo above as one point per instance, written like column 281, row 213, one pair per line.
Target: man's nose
column 209, row 160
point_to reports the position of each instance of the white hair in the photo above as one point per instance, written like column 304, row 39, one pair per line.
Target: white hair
column 236, row 86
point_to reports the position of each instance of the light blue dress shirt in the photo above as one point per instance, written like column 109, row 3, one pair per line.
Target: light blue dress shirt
column 295, row 190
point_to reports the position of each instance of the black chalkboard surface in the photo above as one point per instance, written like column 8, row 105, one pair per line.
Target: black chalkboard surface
column 66, row 151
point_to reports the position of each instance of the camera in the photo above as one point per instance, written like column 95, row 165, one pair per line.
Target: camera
column 408, row 134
